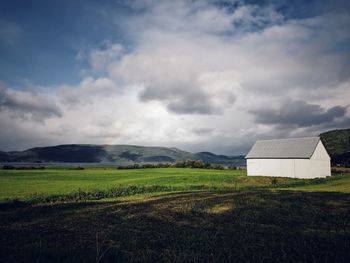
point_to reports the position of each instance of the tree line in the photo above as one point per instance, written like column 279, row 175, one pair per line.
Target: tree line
column 199, row 164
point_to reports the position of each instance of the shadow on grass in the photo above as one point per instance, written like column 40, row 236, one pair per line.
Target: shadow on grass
column 245, row 226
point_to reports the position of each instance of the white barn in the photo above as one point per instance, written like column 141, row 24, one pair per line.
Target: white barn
column 297, row 158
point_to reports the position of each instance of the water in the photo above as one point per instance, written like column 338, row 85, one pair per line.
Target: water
column 23, row 164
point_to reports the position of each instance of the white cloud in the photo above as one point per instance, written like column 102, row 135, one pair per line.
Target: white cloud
column 28, row 105
column 99, row 58
column 281, row 60
column 199, row 75
column 88, row 90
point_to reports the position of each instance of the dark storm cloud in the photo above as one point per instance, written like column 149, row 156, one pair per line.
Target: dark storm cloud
column 189, row 106
column 178, row 98
column 187, row 99
column 203, row 131
column 27, row 104
column 299, row 114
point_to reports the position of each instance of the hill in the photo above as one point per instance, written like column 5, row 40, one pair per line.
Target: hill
column 116, row 154
column 209, row 157
column 337, row 143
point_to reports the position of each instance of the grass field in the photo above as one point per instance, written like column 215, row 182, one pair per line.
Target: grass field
column 24, row 184
column 171, row 215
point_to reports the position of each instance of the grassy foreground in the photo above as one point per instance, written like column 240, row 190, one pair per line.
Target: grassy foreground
column 171, row 215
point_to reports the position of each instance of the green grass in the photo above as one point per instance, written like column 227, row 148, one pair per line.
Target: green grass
column 23, row 184
column 29, row 184
column 171, row 215
column 335, row 184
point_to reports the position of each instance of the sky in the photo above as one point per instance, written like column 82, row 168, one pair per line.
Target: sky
column 199, row 75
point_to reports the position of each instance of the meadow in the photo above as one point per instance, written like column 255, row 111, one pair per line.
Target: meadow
column 24, row 184
column 171, row 215
column 28, row 184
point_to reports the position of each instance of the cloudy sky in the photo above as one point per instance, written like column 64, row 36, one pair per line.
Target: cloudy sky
column 197, row 75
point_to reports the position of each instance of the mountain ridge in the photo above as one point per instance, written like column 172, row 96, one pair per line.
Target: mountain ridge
column 120, row 154
column 337, row 143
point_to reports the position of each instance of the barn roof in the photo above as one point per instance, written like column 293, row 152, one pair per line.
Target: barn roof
column 297, row 148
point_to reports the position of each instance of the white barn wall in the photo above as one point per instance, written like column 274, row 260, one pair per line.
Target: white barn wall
column 305, row 168
column 271, row 167
column 317, row 166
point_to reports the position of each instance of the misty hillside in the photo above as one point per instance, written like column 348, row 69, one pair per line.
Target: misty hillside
column 337, row 143
column 116, row 154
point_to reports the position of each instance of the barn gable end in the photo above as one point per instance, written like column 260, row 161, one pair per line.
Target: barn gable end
column 320, row 152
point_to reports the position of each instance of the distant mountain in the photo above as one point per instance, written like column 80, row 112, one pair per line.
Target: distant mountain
column 209, row 157
column 337, row 143
column 116, row 154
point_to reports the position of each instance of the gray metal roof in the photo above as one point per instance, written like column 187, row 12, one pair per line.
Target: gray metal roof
column 297, row 148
